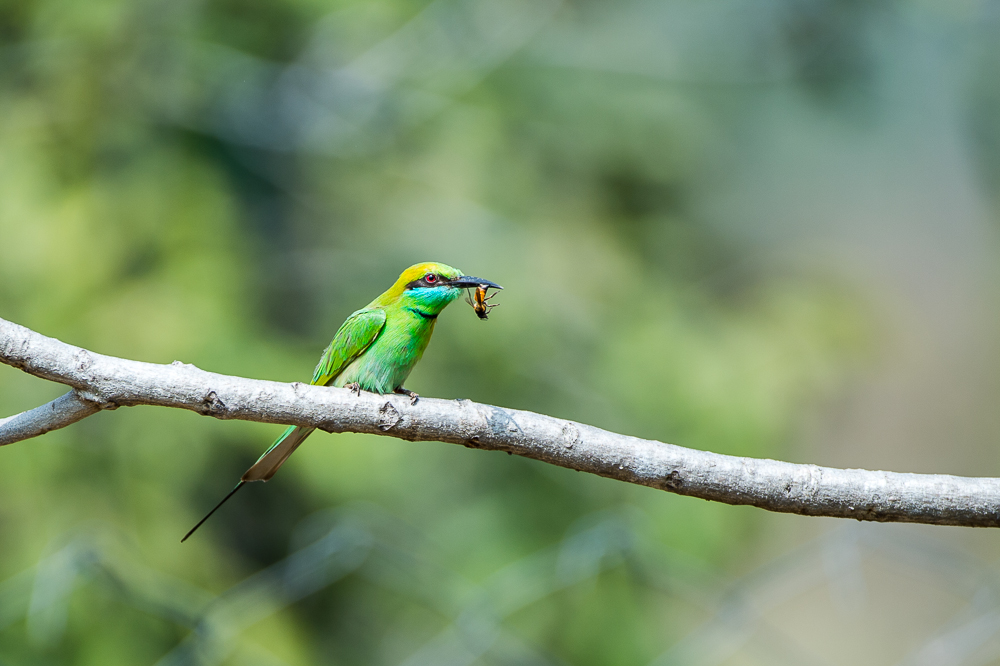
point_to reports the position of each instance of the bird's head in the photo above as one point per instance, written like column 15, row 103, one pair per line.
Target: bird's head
column 431, row 286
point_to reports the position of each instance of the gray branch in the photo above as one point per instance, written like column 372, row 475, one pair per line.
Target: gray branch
column 105, row 382
column 59, row 413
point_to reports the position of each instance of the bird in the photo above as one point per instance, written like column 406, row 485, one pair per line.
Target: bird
column 374, row 350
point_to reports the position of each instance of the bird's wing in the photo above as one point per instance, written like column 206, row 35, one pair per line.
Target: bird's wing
column 354, row 336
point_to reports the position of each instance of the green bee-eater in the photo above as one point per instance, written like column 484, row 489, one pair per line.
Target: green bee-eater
column 374, row 350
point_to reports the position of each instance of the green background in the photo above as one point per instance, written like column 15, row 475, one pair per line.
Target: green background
column 755, row 228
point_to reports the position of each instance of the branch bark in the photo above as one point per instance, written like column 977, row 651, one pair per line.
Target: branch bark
column 105, row 382
column 61, row 412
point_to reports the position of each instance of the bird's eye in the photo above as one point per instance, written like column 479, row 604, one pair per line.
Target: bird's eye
column 430, row 278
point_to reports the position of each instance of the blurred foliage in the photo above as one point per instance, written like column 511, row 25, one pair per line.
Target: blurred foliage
column 223, row 181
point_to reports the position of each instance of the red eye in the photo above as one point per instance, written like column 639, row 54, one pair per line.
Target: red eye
column 430, row 278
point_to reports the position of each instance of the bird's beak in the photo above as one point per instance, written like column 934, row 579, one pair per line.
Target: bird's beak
column 467, row 281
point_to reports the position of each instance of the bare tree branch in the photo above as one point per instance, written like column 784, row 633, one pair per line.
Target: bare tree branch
column 105, row 382
column 61, row 412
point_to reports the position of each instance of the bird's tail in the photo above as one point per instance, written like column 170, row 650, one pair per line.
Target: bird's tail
column 275, row 457
column 266, row 465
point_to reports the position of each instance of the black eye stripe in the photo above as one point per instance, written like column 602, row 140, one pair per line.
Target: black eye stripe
column 426, row 282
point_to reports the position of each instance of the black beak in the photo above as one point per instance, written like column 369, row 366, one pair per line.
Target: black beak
column 467, row 281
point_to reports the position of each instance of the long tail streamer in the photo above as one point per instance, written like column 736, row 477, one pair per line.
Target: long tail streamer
column 209, row 515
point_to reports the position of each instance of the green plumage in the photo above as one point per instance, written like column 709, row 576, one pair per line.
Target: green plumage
column 374, row 350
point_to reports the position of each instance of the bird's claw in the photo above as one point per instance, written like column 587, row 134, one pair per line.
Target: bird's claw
column 413, row 396
column 354, row 388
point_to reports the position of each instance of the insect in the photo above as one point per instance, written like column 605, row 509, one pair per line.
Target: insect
column 480, row 301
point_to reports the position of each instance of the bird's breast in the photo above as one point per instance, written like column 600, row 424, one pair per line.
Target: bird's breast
column 386, row 363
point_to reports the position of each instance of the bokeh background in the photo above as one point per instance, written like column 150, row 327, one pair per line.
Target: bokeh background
column 756, row 227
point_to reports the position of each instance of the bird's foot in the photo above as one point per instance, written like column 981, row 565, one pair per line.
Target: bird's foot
column 403, row 391
column 354, row 388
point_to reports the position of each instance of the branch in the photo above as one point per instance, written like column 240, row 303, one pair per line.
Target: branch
column 59, row 413
column 106, row 382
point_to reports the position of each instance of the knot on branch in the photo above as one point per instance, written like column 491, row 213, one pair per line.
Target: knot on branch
column 501, row 424
column 570, row 435
column 212, row 405
column 13, row 355
column 673, row 481
column 388, row 416
column 97, row 400
column 84, row 360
